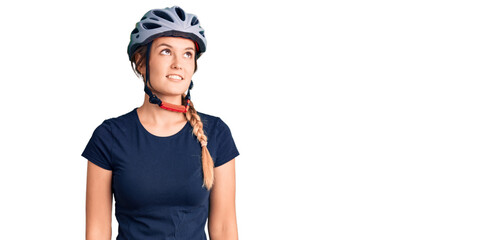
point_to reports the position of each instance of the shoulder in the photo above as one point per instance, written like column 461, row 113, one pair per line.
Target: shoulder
column 120, row 122
column 99, row 149
column 212, row 124
column 220, row 141
column 208, row 120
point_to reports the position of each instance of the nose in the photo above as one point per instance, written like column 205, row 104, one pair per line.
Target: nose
column 176, row 63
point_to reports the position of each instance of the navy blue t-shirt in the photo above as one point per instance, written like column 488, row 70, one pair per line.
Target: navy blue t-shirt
column 157, row 181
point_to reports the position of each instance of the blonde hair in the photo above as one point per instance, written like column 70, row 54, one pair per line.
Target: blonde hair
column 191, row 116
column 197, row 130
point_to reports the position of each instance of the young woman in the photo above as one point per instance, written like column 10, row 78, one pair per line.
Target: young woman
column 169, row 167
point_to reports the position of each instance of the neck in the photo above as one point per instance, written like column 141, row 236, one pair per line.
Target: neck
column 156, row 115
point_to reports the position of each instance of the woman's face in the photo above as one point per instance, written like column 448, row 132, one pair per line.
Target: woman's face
column 172, row 64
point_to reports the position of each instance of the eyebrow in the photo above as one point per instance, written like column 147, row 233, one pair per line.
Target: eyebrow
column 167, row 45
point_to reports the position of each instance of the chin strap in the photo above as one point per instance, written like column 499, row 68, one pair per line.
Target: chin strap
column 155, row 100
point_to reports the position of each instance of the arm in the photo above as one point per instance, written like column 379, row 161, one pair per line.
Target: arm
column 222, row 223
column 98, row 203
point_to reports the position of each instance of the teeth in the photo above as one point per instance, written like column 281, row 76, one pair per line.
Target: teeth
column 175, row 77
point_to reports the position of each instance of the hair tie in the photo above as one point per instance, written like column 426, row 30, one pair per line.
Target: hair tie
column 204, row 143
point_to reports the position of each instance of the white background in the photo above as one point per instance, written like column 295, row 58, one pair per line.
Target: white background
column 354, row 119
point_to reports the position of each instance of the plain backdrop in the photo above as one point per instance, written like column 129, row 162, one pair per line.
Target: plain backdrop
column 354, row 119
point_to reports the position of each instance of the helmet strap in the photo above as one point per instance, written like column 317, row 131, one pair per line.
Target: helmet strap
column 154, row 99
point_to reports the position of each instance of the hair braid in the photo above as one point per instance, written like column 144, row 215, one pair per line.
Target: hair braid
column 197, row 130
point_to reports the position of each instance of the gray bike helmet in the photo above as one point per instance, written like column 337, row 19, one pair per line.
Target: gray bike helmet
column 167, row 22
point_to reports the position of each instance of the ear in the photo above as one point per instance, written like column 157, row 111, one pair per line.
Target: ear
column 141, row 69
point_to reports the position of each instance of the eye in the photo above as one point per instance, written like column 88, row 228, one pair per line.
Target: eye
column 167, row 51
column 188, row 55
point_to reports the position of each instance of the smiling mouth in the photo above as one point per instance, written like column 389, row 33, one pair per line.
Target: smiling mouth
column 175, row 77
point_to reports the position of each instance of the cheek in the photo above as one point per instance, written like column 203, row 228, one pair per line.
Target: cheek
column 191, row 65
column 189, row 70
column 157, row 67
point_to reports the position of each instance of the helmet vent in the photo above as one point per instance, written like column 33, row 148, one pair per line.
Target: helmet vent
column 180, row 13
column 150, row 26
column 202, row 33
column 135, row 30
column 194, row 21
column 163, row 15
column 143, row 18
column 155, row 19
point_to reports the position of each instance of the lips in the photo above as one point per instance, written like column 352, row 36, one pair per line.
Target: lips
column 175, row 77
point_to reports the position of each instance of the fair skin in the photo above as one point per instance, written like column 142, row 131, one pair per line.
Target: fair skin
column 169, row 56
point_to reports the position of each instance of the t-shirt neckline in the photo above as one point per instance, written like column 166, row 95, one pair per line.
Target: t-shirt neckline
column 137, row 120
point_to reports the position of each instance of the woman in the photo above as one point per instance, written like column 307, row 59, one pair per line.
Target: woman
column 169, row 167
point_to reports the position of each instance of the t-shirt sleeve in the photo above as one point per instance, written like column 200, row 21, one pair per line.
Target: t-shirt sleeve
column 99, row 147
column 226, row 148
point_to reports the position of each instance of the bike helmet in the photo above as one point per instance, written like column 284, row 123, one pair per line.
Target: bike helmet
column 167, row 22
